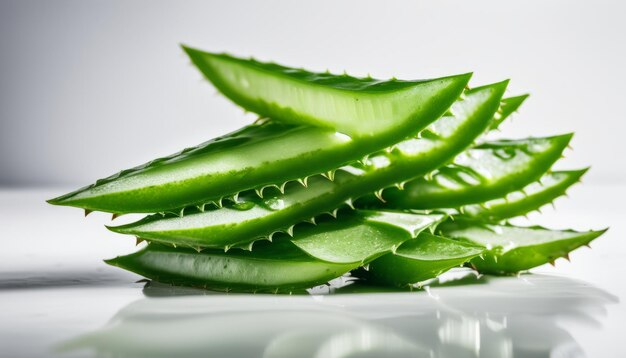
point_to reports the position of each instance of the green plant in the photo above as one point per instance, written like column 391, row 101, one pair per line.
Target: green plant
column 483, row 172
column 426, row 257
column 357, row 107
column 511, row 249
column 338, row 246
column 259, row 218
column 393, row 163
column 254, row 157
column 530, row 198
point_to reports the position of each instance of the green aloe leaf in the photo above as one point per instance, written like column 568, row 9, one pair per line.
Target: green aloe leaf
column 531, row 197
column 511, row 249
column 358, row 107
column 507, row 107
column 277, row 267
column 282, row 266
column 420, row 259
column 484, row 172
column 257, row 218
column 271, row 154
column 384, row 233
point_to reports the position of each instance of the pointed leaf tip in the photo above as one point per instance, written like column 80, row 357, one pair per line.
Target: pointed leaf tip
column 53, row 201
column 567, row 137
column 117, row 229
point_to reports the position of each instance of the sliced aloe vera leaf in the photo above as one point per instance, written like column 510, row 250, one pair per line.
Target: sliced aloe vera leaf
column 271, row 267
column 358, row 107
column 487, row 171
column 511, row 249
column 531, row 197
column 258, row 218
column 281, row 265
column 220, row 169
column 386, row 230
column 212, row 170
column 420, row 259
column 508, row 106
column 253, row 157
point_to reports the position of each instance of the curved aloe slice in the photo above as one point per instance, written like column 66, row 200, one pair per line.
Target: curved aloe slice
column 423, row 258
column 511, row 249
column 278, row 267
column 350, row 246
column 260, row 218
column 507, row 107
column 212, row 170
column 281, row 266
column 358, row 107
column 531, row 197
column 484, row 172
column 260, row 155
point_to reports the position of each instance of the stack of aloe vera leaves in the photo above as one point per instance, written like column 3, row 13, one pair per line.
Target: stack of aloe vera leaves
column 388, row 181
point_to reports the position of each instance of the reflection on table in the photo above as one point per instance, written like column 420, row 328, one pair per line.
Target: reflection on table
column 459, row 316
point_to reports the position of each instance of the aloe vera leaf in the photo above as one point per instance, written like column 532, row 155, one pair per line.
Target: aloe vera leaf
column 386, row 231
column 269, row 154
column 531, row 197
column 420, row 259
column 358, row 107
column 220, row 168
column 258, row 218
column 487, row 171
column 281, row 265
column 278, row 267
column 511, row 249
column 507, row 107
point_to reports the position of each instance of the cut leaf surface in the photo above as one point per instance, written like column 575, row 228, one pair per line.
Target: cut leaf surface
column 218, row 168
column 420, row 259
column 276, row 267
column 383, row 232
column 274, row 153
column 354, row 106
column 320, row 253
column 484, row 172
column 279, row 212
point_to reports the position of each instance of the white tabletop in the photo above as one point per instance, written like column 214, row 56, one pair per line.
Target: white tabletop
column 57, row 298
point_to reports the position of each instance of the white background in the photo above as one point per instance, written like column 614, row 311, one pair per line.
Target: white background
column 91, row 87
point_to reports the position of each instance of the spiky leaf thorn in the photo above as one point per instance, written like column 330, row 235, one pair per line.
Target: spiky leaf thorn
column 259, row 192
column 304, row 181
column 330, row 175
column 379, row 195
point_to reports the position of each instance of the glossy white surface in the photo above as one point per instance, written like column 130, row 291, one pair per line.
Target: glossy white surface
column 57, row 298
